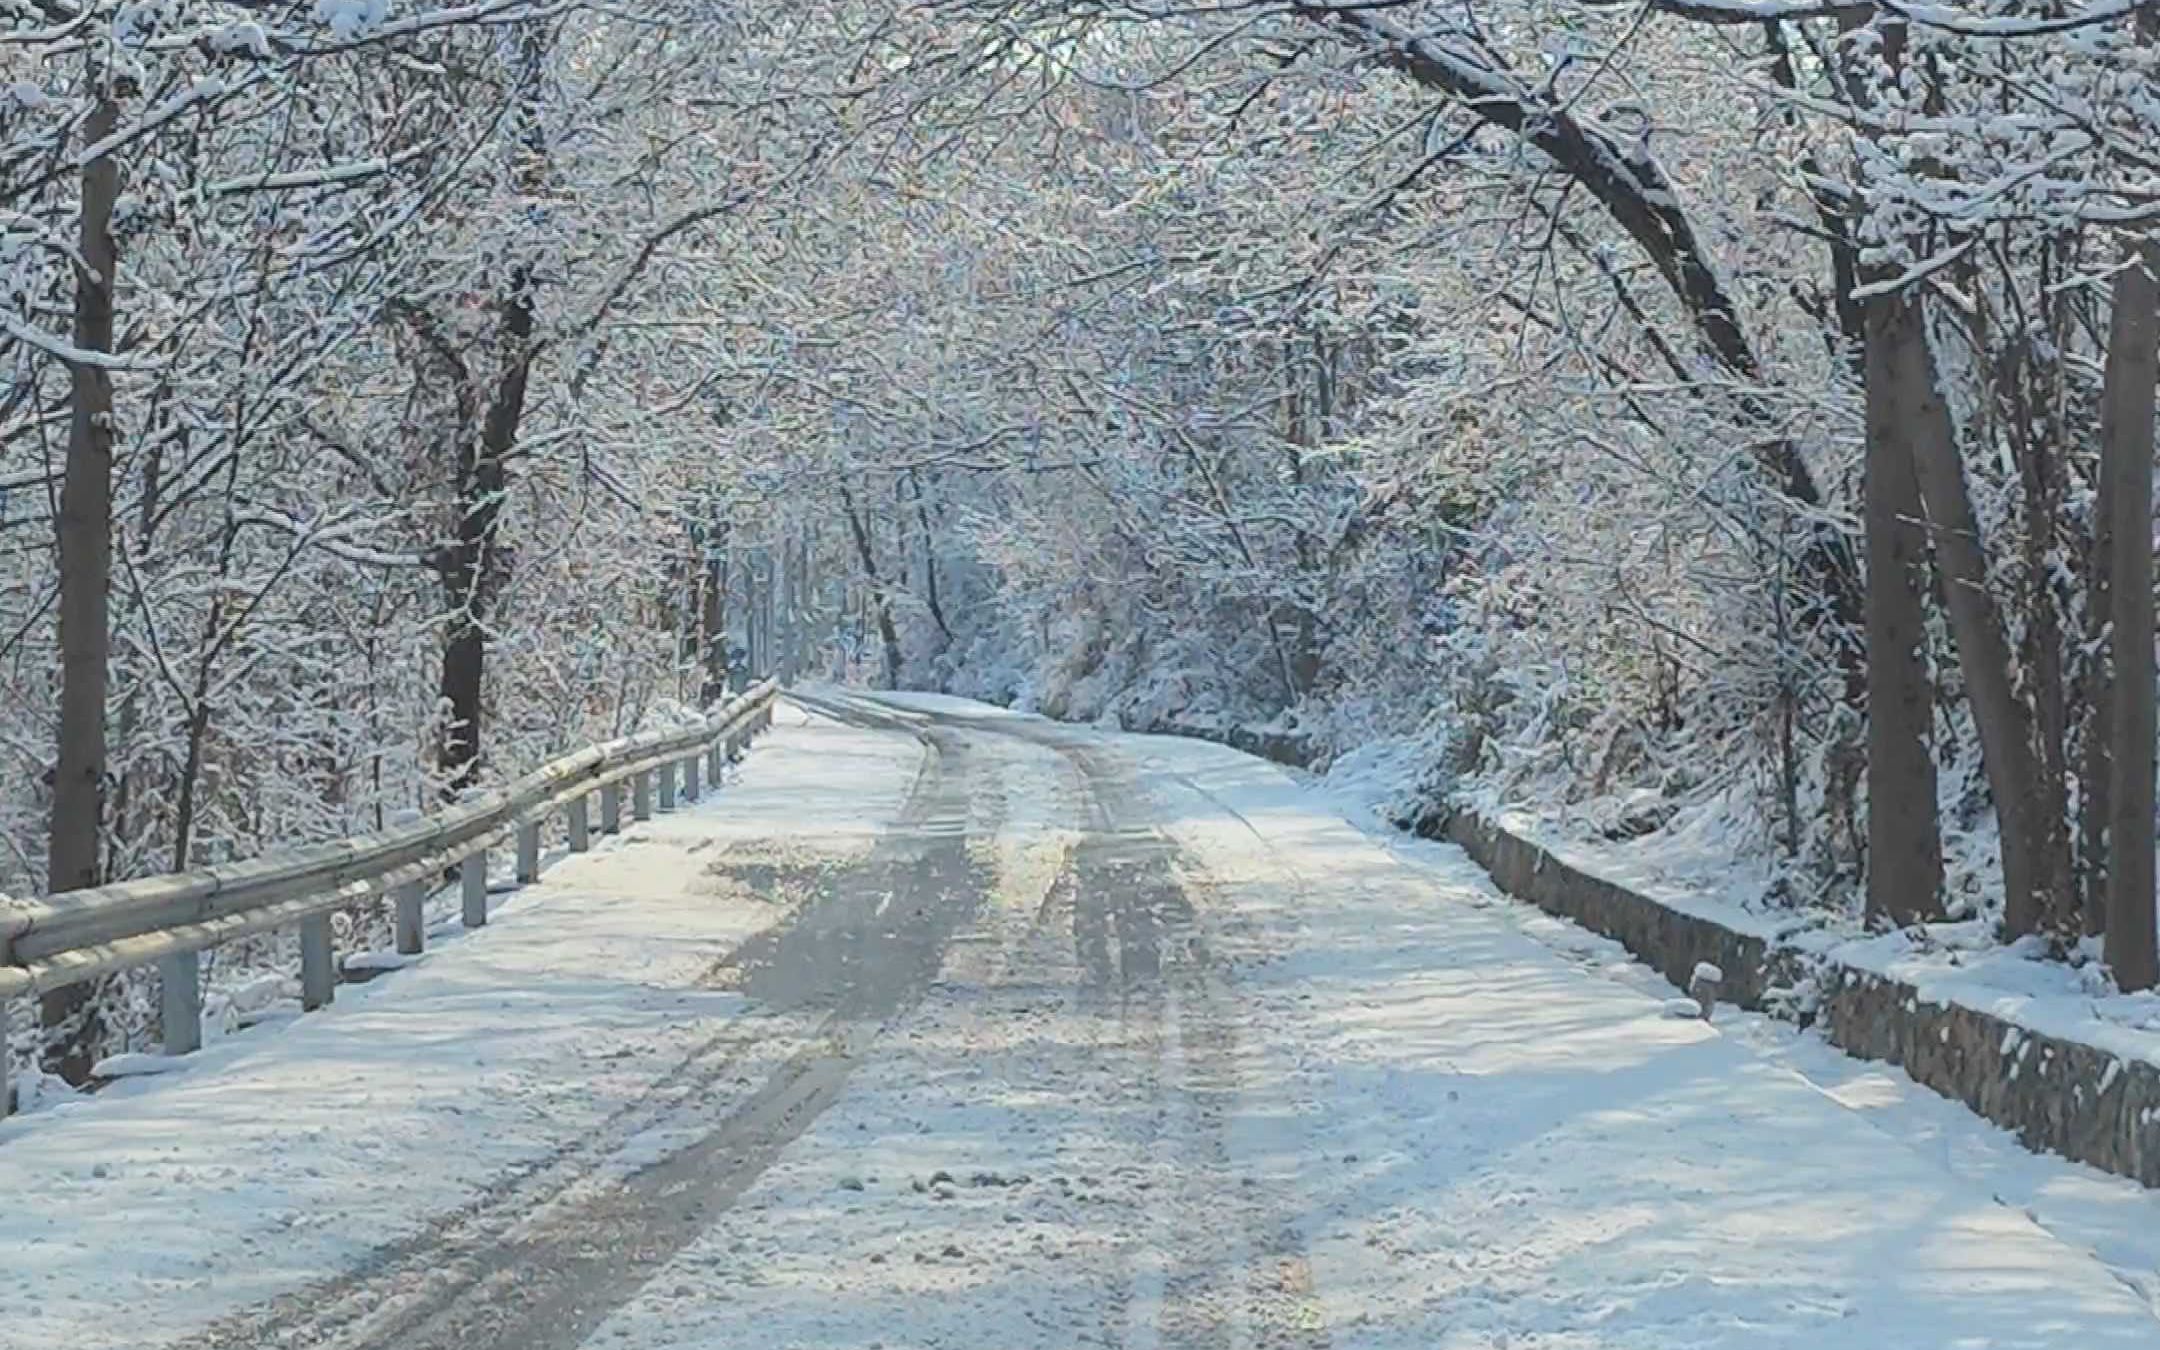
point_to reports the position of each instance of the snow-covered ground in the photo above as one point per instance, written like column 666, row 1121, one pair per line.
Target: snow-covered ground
column 1443, row 1121
column 285, row 1154
column 2115, row 1219
column 1326, row 1089
column 1602, row 1174
column 1697, row 867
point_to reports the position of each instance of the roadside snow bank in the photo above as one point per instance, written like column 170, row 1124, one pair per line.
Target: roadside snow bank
column 2048, row 1049
column 282, row 1156
column 2044, row 1049
column 1522, row 1148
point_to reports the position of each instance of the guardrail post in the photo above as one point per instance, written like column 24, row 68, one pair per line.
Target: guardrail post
column 641, row 795
column 473, row 874
column 318, row 963
column 411, row 921
column 528, row 859
column 611, row 809
column 692, row 788
column 666, row 774
column 580, row 827
column 180, row 1002
column 716, row 763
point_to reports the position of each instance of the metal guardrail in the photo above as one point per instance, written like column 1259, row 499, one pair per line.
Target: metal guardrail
column 171, row 920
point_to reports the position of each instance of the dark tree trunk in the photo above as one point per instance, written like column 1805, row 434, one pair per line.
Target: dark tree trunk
column 2095, row 776
column 714, row 622
column 198, row 733
column 150, row 497
column 2097, row 688
column 2046, row 680
column 1904, row 865
column 2126, row 447
column 880, row 603
column 73, row 861
column 930, row 571
column 757, row 584
column 2028, row 808
column 209, row 647
column 475, row 565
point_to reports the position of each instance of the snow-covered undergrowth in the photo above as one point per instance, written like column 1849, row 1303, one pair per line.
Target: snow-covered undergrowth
column 1963, row 962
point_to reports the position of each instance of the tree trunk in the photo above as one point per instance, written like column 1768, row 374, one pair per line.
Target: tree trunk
column 1304, row 428
column 2096, row 713
column 120, row 811
column 2098, row 689
column 1904, row 864
column 2037, row 436
column 198, row 733
column 757, row 579
column 805, row 600
column 476, row 564
column 2126, row 449
column 805, row 607
column 714, row 622
column 929, row 548
column 882, row 606
column 2028, row 809
column 73, row 861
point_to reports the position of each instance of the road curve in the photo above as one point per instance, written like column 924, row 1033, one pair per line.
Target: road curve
column 540, row 1264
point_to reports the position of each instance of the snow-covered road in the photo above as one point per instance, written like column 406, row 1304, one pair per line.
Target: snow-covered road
column 944, row 1027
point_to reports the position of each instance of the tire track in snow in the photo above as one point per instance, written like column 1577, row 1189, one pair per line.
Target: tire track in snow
column 1218, row 1262
column 539, row 1260
column 1137, row 929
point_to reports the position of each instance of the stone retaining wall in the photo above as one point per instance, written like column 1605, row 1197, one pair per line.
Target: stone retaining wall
column 2056, row 1095
column 1279, row 746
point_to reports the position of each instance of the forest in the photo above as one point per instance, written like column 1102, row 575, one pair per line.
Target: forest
column 1723, row 416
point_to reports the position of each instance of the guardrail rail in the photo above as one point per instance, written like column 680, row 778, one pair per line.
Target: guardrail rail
column 170, row 920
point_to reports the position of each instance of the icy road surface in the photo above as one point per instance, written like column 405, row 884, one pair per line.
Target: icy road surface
column 943, row 1027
